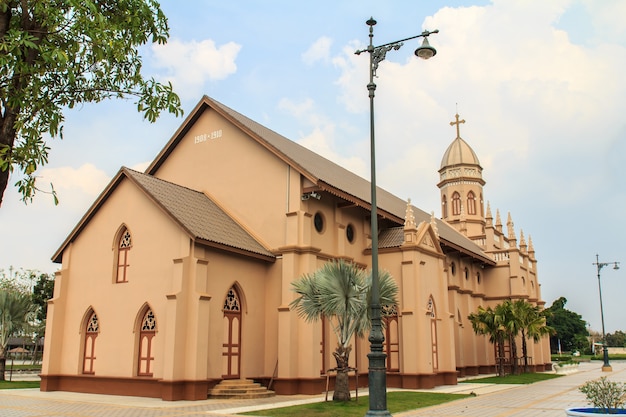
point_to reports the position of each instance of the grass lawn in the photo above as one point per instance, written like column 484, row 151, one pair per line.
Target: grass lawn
column 18, row 384
column 397, row 401
column 514, row 379
column 22, row 367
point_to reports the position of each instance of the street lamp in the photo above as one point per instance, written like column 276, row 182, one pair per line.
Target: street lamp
column 606, row 367
column 377, row 375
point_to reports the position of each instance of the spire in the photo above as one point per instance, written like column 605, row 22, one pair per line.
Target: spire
column 522, row 241
column 409, row 217
column 510, row 228
column 531, row 249
column 498, row 221
column 489, row 217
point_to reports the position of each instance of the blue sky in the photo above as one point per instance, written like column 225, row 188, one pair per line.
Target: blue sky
column 540, row 85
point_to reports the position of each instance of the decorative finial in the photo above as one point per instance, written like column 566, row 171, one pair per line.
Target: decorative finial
column 489, row 216
column 457, row 123
column 433, row 223
column 409, row 218
column 509, row 225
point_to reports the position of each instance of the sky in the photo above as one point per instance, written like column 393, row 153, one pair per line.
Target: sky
column 540, row 85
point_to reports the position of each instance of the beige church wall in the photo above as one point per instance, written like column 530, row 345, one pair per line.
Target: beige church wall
column 420, row 276
column 88, row 274
column 245, row 178
column 250, row 278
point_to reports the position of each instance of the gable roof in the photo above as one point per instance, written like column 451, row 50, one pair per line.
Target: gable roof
column 198, row 215
column 327, row 175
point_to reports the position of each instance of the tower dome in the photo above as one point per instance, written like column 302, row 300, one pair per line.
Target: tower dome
column 459, row 152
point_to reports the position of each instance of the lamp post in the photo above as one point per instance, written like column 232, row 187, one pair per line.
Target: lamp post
column 606, row 367
column 377, row 370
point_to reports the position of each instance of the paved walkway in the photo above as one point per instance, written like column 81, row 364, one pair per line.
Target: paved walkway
column 547, row 399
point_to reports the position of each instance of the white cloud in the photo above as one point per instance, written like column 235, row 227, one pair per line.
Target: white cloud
column 190, row 64
column 319, row 51
column 322, row 136
column 76, row 187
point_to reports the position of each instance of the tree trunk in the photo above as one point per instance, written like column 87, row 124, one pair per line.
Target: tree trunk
column 342, row 381
column 525, row 351
column 500, row 348
column 342, row 386
column 3, row 365
column 515, row 369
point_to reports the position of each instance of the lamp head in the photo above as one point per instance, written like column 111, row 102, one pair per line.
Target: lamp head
column 425, row 51
column 616, row 266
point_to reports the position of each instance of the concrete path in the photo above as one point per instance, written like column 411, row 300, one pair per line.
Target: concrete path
column 546, row 399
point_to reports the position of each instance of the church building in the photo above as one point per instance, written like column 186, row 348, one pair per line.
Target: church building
column 179, row 277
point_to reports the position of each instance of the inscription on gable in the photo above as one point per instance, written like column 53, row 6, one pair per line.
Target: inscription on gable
column 216, row 134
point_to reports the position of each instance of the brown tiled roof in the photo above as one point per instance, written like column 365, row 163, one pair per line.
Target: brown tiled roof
column 197, row 214
column 391, row 238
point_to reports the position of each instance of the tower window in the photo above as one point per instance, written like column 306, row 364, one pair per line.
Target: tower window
column 456, row 204
column 471, row 203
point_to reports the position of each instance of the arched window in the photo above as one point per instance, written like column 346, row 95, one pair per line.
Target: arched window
column 232, row 334
column 392, row 339
column 456, row 204
column 124, row 244
column 444, row 207
column 432, row 313
column 471, row 203
column 92, row 328
column 147, row 331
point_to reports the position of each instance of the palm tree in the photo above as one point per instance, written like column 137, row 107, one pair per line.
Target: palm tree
column 486, row 322
column 16, row 312
column 506, row 316
column 340, row 293
column 532, row 324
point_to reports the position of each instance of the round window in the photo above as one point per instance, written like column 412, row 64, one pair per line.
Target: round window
column 350, row 233
column 318, row 221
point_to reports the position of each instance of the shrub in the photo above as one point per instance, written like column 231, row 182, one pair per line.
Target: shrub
column 604, row 394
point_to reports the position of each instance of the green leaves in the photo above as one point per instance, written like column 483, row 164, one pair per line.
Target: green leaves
column 340, row 292
column 60, row 53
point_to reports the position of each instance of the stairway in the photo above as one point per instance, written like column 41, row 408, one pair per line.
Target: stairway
column 240, row 389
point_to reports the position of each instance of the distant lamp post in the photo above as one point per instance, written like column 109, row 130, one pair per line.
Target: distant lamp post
column 606, row 367
column 377, row 376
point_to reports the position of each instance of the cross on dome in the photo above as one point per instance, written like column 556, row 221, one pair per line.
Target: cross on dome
column 457, row 123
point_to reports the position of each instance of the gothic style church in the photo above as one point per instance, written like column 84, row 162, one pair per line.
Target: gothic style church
column 180, row 277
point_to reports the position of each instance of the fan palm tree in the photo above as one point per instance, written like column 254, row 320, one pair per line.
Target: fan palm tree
column 340, row 292
column 486, row 322
column 532, row 324
column 16, row 312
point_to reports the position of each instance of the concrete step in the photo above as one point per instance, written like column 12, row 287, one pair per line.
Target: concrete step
column 240, row 389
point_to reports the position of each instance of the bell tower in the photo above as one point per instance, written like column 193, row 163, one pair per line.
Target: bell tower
column 461, row 186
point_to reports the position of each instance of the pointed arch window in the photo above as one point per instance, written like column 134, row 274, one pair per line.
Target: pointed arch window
column 471, row 203
column 431, row 312
column 392, row 340
column 92, row 329
column 456, row 204
column 231, row 345
column 147, row 331
column 124, row 245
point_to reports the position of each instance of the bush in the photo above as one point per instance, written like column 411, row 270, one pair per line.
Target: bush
column 561, row 358
column 604, row 394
